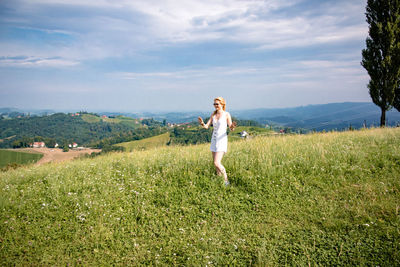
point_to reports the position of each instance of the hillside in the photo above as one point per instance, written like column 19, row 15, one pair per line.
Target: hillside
column 337, row 116
column 84, row 129
column 319, row 199
column 147, row 143
column 332, row 116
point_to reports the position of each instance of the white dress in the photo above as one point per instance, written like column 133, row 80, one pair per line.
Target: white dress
column 219, row 139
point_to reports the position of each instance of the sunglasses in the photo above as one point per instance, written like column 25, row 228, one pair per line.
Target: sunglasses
column 216, row 104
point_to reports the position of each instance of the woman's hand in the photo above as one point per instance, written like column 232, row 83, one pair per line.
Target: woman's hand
column 200, row 121
column 233, row 126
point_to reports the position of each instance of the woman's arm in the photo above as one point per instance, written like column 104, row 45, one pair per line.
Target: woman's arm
column 205, row 125
column 231, row 125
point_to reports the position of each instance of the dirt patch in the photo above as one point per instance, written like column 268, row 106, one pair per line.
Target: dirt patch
column 57, row 154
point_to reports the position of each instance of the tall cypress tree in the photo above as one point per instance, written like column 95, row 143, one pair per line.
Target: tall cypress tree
column 381, row 58
column 396, row 103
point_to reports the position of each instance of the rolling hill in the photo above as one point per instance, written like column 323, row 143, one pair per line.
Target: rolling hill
column 147, row 143
column 335, row 116
column 82, row 128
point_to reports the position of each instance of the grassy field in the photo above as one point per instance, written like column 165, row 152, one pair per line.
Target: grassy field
column 128, row 121
column 147, row 143
column 318, row 199
column 9, row 157
column 90, row 118
column 119, row 119
column 252, row 131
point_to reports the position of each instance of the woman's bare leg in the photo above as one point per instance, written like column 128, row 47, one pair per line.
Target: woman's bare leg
column 216, row 168
column 217, row 157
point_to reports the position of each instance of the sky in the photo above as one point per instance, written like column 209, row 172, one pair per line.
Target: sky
column 165, row 55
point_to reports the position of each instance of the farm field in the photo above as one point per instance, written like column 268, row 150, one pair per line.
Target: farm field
column 18, row 157
column 120, row 119
column 317, row 199
column 147, row 143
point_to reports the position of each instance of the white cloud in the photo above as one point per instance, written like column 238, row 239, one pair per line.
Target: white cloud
column 26, row 61
column 164, row 42
column 99, row 29
column 314, row 69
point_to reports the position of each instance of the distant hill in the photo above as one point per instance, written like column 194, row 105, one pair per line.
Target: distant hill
column 322, row 117
column 331, row 116
column 10, row 112
column 170, row 117
column 82, row 128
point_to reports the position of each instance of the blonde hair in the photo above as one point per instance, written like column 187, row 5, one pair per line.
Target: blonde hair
column 222, row 102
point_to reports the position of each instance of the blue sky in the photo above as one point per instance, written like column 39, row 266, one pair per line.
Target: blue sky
column 147, row 55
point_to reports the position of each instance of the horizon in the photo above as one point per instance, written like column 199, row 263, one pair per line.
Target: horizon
column 164, row 56
column 180, row 111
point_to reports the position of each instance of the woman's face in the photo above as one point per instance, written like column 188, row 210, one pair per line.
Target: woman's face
column 217, row 105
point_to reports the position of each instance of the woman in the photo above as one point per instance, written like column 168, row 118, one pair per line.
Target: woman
column 220, row 119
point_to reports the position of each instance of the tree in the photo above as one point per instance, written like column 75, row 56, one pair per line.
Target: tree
column 381, row 58
column 50, row 142
column 396, row 103
column 65, row 148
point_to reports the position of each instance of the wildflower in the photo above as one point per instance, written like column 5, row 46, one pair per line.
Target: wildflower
column 81, row 217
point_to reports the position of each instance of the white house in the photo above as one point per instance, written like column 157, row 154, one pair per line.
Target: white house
column 73, row 145
column 38, row 144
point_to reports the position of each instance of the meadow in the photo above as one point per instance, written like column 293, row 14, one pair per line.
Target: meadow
column 147, row 143
column 251, row 130
column 17, row 157
column 91, row 118
column 317, row 199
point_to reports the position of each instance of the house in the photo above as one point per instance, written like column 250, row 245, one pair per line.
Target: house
column 38, row 144
column 73, row 145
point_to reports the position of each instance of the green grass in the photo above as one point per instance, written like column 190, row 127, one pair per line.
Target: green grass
column 319, row 199
column 90, row 118
column 9, row 157
column 128, row 121
column 147, row 143
column 251, row 130
column 120, row 119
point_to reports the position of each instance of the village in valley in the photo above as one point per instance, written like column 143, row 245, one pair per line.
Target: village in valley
column 42, row 144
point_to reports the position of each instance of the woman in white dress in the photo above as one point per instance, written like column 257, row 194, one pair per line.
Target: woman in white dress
column 220, row 119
